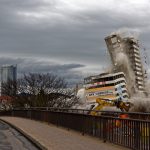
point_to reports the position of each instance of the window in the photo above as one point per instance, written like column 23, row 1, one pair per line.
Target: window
column 114, row 40
column 124, row 91
column 125, row 96
column 123, row 86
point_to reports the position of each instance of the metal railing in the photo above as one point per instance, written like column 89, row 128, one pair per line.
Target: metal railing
column 131, row 133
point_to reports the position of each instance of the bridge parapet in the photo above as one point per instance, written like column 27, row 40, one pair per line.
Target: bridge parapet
column 129, row 132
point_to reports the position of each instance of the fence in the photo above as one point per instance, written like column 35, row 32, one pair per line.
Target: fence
column 131, row 133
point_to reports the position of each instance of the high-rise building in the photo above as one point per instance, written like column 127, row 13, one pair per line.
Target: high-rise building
column 127, row 49
column 8, row 75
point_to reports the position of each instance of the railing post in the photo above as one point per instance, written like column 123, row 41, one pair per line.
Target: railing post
column 83, row 125
column 12, row 113
column 104, row 130
column 136, row 135
column 29, row 114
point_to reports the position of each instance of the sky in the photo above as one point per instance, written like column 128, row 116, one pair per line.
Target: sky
column 66, row 37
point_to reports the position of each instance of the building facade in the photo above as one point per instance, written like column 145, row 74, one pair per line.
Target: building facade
column 110, row 86
column 8, row 75
column 127, row 47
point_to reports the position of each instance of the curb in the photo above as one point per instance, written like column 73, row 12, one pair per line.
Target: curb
column 31, row 139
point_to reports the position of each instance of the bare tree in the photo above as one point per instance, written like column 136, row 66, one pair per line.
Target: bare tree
column 43, row 90
column 65, row 99
column 34, row 83
column 9, row 88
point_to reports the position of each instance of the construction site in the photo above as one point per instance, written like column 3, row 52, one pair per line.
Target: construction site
column 124, row 85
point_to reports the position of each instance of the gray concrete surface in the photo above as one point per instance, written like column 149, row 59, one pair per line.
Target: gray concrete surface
column 10, row 139
column 57, row 138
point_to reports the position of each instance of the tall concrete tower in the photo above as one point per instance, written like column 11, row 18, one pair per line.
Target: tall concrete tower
column 125, row 56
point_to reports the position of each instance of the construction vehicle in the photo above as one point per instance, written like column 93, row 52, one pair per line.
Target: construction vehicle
column 123, row 106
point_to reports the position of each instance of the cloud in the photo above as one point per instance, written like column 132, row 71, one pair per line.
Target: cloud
column 27, row 65
column 67, row 33
column 79, row 11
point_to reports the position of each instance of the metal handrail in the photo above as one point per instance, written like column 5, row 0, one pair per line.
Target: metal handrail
column 77, row 110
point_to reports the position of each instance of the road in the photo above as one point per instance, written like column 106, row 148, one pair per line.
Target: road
column 10, row 139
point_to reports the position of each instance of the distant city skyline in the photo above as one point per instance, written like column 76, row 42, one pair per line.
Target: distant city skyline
column 66, row 37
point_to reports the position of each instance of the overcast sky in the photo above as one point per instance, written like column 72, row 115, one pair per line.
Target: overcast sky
column 67, row 36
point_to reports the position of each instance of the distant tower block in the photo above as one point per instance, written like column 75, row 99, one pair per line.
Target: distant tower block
column 8, row 73
column 130, row 47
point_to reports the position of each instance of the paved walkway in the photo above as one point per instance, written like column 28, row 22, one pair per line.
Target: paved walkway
column 10, row 139
column 57, row 138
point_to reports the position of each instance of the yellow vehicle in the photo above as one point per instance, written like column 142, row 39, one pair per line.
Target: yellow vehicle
column 123, row 106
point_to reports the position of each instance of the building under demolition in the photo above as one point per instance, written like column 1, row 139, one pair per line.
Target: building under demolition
column 125, row 57
column 126, row 76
